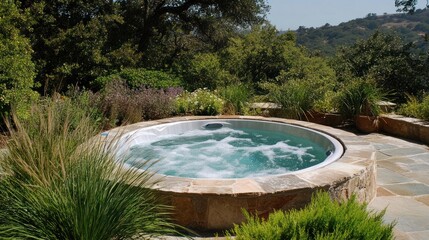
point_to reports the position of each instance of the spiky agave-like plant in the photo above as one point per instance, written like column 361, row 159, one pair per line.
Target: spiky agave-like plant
column 56, row 187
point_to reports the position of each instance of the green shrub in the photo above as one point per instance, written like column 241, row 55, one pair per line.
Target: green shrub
column 138, row 77
column 17, row 71
column 416, row 108
column 199, row 102
column 321, row 219
column 425, row 108
column 236, row 98
column 384, row 57
column 56, row 187
column 205, row 71
column 411, row 108
column 359, row 97
column 326, row 103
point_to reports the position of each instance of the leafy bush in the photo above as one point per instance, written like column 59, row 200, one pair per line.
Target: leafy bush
column 199, row 102
column 261, row 54
column 265, row 55
column 204, row 70
column 61, row 185
column 326, row 103
column 236, row 98
column 386, row 59
column 120, row 104
column 321, row 219
column 138, row 77
column 424, row 113
column 358, row 97
column 17, row 71
column 416, row 108
column 411, row 108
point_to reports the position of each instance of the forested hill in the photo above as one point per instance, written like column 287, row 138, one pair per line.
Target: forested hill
column 412, row 28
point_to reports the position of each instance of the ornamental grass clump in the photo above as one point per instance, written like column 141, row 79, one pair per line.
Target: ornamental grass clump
column 296, row 98
column 360, row 97
column 321, row 219
column 61, row 183
column 236, row 98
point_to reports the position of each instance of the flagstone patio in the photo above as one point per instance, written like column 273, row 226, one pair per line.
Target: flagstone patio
column 403, row 185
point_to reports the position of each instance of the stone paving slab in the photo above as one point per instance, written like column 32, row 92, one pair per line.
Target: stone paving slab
column 382, row 192
column 411, row 215
column 419, row 168
column 421, row 157
column 408, row 189
column 422, row 177
column 423, row 235
column 407, row 151
column 394, row 167
column 386, row 176
column 383, row 146
column 424, row 199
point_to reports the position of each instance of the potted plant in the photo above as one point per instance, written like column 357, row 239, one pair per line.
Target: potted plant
column 358, row 101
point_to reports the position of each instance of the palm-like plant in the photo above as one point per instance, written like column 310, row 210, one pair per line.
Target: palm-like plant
column 59, row 185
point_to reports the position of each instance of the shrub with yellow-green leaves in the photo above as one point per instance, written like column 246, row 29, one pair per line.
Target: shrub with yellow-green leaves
column 199, row 102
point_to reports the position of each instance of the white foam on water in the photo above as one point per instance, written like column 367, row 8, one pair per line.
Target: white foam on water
column 220, row 153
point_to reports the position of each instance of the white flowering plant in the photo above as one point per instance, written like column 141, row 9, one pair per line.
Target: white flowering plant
column 200, row 102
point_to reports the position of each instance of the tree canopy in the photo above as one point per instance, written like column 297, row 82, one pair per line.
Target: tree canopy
column 75, row 41
column 17, row 71
column 407, row 5
column 386, row 59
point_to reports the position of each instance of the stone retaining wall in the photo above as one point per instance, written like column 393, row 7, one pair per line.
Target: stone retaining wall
column 405, row 127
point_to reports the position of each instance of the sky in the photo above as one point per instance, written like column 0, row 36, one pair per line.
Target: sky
column 290, row 14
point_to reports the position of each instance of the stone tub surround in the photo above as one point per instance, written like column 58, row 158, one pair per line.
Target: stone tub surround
column 216, row 204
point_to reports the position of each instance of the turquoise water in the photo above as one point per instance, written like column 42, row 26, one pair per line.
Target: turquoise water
column 227, row 153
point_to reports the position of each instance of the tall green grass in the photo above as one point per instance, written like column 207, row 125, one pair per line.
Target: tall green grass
column 61, row 183
column 321, row 219
column 296, row 98
column 236, row 97
column 360, row 97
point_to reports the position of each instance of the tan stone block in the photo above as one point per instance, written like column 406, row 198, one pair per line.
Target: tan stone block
column 249, row 186
column 382, row 192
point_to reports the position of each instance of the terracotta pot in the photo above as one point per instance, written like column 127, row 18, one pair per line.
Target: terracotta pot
column 329, row 119
column 367, row 124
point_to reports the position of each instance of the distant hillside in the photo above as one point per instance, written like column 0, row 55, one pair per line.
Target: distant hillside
column 412, row 28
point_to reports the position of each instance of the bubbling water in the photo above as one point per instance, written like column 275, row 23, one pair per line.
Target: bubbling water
column 226, row 153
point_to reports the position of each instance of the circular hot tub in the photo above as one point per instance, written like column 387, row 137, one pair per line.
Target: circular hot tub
column 229, row 149
column 211, row 168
